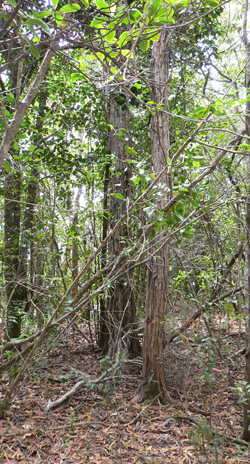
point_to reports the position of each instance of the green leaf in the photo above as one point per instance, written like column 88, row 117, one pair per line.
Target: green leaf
column 135, row 15
column 169, row 161
column 155, row 38
column 229, row 307
column 127, row 52
column 144, row 45
column 58, row 17
column 39, row 23
column 119, row 195
column 136, row 180
column 55, row 3
column 130, row 150
column 97, row 23
column 42, row 14
column 101, row 4
column 82, row 65
column 75, row 77
column 124, row 38
column 12, row 3
column 100, row 56
column 70, row 8
column 212, row 3
column 161, row 19
column 110, row 37
column 34, row 50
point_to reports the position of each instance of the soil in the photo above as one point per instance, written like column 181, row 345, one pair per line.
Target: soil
column 100, row 424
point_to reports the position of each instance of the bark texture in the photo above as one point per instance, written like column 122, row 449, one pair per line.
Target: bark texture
column 153, row 383
column 119, row 317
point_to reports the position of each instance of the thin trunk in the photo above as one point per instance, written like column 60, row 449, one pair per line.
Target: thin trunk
column 246, row 426
column 27, row 246
column 12, row 215
column 103, row 329
column 153, row 383
column 75, row 244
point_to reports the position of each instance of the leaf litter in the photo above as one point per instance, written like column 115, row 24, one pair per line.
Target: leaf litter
column 101, row 425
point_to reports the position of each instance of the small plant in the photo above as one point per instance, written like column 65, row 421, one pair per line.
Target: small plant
column 207, row 443
column 105, row 363
column 243, row 391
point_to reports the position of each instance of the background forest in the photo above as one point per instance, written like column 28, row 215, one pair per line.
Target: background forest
column 125, row 224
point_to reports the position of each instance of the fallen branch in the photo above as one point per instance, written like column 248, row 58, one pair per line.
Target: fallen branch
column 83, row 383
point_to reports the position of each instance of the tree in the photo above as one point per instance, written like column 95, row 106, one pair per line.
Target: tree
column 120, row 315
column 104, row 258
column 153, row 382
column 246, row 426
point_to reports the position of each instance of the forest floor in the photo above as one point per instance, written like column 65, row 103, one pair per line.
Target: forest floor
column 101, row 425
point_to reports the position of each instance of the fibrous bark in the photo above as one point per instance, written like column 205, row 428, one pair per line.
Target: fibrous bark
column 153, row 382
column 119, row 316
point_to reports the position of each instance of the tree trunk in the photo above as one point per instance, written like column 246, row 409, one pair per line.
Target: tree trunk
column 12, row 215
column 246, row 426
column 103, row 329
column 121, row 309
column 27, row 255
column 153, row 382
column 75, row 244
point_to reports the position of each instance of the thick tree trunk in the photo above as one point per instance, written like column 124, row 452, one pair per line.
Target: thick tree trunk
column 121, row 309
column 246, row 426
column 153, row 382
